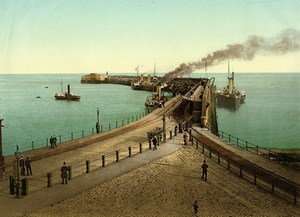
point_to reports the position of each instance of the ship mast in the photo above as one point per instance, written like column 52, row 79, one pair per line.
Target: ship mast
column 154, row 69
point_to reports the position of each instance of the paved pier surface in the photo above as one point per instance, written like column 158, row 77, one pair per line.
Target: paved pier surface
column 75, row 153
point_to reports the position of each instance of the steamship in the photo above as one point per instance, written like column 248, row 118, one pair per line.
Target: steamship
column 230, row 97
column 66, row 95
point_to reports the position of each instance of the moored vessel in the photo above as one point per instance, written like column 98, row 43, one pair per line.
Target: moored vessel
column 66, row 95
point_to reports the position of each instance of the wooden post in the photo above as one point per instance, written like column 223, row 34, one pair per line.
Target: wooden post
column 103, row 160
column 70, row 172
column 49, row 180
column 129, row 151
column 87, row 166
column 117, row 156
column 241, row 171
column 228, row 164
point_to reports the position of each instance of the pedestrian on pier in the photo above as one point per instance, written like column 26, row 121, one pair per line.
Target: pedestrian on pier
column 51, row 142
column 154, row 141
column 28, row 166
column 196, row 206
column 185, row 136
column 97, row 127
column 22, row 165
column 64, row 174
column 54, row 141
column 204, row 170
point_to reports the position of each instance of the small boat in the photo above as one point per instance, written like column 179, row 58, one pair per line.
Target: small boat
column 66, row 96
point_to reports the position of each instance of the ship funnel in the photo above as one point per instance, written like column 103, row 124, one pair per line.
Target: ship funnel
column 158, row 92
column 68, row 89
column 141, row 78
column 149, row 79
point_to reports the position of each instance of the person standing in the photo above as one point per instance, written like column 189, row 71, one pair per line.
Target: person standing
column 196, row 206
column 185, row 139
column 64, row 174
column 28, row 166
column 51, row 142
column 22, row 165
column 97, row 127
column 154, row 141
column 204, row 170
column 54, row 142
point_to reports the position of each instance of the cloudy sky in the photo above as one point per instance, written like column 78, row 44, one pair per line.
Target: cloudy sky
column 83, row 36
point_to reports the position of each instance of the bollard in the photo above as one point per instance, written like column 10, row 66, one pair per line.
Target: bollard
column 141, row 148
column 149, row 140
column 117, row 156
column 87, row 162
column 49, row 180
column 180, row 128
column 170, row 134
column 103, row 160
column 129, row 151
column 11, row 185
column 70, row 172
column 24, row 187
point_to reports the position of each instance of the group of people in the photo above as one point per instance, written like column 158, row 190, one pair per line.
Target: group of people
column 53, row 141
column 25, row 163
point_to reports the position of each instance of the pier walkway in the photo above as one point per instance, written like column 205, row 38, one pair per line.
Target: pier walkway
column 75, row 153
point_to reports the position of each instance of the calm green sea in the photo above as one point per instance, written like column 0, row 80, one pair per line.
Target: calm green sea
column 269, row 118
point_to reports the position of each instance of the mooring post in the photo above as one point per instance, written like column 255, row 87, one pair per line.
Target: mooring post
column 49, row 180
column 70, row 172
column 87, row 162
column 103, row 160
column 228, row 164
column 129, row 151
column 149, row 140
column 117, row 156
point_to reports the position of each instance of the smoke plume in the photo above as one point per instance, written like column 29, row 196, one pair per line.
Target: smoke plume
column 286, row 41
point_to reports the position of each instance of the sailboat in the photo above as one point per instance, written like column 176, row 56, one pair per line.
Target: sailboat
column 66, row 95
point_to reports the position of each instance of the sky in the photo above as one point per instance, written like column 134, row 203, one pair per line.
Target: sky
column 80, row 36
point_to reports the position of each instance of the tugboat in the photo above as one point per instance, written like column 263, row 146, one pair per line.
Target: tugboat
column 66, row 96
column 230, row 97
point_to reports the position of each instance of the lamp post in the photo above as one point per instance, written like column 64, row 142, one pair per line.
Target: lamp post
column 17, row 155
column 98, row 121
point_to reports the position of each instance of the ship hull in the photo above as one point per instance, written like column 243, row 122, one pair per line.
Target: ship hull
column 229, row 101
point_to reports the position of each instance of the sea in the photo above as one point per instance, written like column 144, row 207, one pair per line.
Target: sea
column 270, row 116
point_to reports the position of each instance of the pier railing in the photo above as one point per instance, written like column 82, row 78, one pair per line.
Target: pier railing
column 266, row 152
column 244, row 168
column 64, row 137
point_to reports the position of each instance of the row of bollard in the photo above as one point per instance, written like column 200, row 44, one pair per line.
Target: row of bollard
column 49, row 175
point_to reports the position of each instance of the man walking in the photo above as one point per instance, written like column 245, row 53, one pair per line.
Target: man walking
column 204, row 170
column 64, row 174
column 196, row 206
